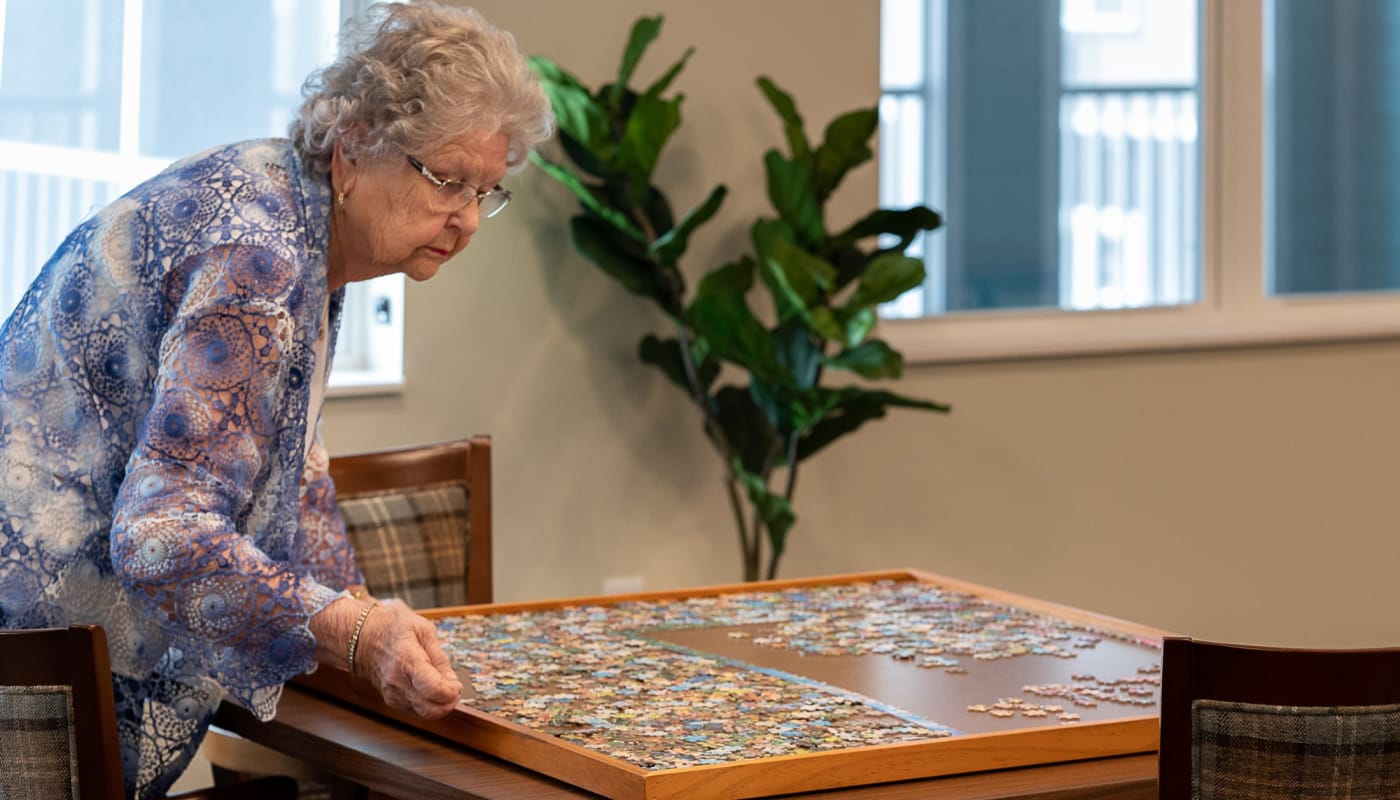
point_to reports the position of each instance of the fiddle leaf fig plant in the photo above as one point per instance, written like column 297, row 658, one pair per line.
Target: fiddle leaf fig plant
column 823, row 286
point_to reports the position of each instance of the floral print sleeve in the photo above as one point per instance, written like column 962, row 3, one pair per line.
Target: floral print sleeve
column 228, row 606
column 205, row 527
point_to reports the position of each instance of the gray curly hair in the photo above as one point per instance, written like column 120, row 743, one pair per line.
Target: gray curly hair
column 413, row 77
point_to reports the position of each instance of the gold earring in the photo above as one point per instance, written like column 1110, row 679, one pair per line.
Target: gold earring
column 340, row 199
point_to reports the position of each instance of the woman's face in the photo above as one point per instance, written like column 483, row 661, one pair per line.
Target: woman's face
column 393, row 218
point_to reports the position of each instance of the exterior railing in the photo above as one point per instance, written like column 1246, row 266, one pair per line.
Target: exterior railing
column 1129, row 215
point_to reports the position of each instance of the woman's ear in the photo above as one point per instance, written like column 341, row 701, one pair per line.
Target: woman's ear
column 345, row 170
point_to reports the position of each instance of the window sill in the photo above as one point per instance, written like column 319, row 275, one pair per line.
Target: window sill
column 364, row 383
column 1020, row 335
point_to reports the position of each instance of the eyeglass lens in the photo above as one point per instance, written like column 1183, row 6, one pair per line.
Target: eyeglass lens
column 456, row 196
column 452, row 196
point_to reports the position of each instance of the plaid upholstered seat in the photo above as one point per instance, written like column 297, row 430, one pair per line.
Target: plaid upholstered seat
column 1259, row 723
column 419, row 519
column 1248, row 751
column 37, row 738
column 412, row 543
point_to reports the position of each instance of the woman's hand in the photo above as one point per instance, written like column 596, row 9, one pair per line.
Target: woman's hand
column 398, row 652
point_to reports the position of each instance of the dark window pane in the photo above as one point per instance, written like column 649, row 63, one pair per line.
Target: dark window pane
column 1334, row 160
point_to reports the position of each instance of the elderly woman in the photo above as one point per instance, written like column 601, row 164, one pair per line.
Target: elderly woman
column 160, row 385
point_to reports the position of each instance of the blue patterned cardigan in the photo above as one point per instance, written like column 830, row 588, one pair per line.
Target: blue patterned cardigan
column 154, row 385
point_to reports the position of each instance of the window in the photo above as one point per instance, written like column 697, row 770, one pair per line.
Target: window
column 98, row 95
column 1140, row 174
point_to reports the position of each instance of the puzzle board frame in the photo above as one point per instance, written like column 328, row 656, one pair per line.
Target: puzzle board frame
column 1051, row 742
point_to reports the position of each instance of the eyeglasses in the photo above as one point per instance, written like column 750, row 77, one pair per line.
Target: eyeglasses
column 451, row 196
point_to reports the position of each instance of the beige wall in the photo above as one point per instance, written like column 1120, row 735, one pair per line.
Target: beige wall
column 1246, row 495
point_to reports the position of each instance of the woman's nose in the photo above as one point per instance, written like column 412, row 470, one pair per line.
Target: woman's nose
column 467, row 218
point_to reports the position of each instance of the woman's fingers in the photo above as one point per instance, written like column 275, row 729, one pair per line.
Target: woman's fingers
column 414, row 674
column 424, row 692
column 439, row 661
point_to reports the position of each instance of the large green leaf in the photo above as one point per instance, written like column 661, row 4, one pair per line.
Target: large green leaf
column 649, row 126
column 904, row 223
column 808, row 407
column 617, row 113
column 793, row 127
column 665, row 355
column 774, row 509
column 734, row 279
column 751, row 439
column 858, row 325
column 849, row 261
column 788, row 300
column 671, row 245
column 587, row 196
column 644, row 32
column 734, row 333
column 853, row 408
column 799, row 352
column 592, row 238
column 846, row 146
column 585, row 159
column 823, row 320
column 576, row 112
column 790, row 191
column 772, row 400
column 888, row 276
column 664, row 81
column 873, row 359
column 621, row 239
column 845, row 419
column 809, row 275
column 550, row 72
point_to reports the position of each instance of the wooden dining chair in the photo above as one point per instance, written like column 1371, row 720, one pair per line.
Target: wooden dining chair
column 58, row 722
column 419, row 520
column 1260, row 722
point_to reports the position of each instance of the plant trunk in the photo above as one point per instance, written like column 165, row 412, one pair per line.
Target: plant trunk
column 748, row 540
column 750, row 570
column 754, row 563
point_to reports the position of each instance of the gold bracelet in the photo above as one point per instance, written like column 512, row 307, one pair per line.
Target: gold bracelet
column 355, row 636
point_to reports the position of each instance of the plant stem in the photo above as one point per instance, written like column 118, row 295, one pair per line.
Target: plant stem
column 758, row 523
column 746, row 546
column 792, row 443
column 787, row 494
column 792, row 467
column 645, row 224
column 749, row 539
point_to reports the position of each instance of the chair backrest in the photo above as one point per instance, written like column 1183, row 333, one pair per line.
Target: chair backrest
column 419, row 519
column 58, row 719
column 1240, row 721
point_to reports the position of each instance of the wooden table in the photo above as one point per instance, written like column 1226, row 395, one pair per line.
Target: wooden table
column 402, row 762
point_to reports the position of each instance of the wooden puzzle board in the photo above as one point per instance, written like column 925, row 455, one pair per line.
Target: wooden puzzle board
column 766, row 688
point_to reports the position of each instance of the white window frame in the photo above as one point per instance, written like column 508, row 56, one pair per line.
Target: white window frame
column 369, row 351
column 1235, row 309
